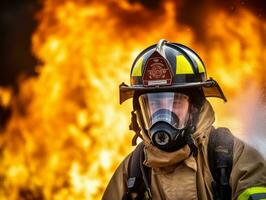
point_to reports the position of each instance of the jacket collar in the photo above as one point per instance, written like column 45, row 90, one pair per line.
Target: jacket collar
column 156, row 158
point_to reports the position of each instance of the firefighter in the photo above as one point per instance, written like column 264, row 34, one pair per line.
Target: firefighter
column 181, row 156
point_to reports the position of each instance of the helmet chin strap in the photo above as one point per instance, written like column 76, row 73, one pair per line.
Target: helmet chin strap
column 134, row 126
column 191, row 128
column 189, row 140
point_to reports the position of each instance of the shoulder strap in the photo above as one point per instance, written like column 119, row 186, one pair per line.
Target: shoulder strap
column 138, row 183
column 220, row 156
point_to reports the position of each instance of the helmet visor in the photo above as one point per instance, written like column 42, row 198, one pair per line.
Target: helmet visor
column 170, row 107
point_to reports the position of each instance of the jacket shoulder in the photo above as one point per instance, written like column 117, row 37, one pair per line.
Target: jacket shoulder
column 249, row 168
column 117, row 184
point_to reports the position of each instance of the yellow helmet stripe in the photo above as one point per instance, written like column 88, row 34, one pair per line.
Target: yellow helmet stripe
column 198, row 61
column 183, row 66
column 251, row 191
column 200, row 64
column 137, row 70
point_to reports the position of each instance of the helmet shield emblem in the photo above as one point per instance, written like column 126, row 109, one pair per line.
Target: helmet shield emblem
column 157, row 71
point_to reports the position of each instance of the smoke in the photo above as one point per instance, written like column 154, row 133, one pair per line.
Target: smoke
column 16, row 57
column 196, row 14
column 255, row 133
column 72, row 107
column 246, row 115
column 17, row 24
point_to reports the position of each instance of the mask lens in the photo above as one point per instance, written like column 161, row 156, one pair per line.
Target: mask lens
column 170, row 107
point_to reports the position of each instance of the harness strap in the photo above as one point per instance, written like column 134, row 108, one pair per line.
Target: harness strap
column 138, row 183
column 220, row 155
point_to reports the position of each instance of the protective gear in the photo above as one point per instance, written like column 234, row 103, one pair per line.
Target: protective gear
column 168, row 67
column 175, row 175
column 220, row 157
column 165, row 117
column 173, row 108
column 253, row 193
column 174, row 68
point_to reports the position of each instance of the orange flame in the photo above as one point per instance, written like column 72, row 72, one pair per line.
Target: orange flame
column 5, row 97
column 68, row 133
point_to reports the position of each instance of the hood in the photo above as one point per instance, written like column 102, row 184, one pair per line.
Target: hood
column 204, row 125
column 154, row 157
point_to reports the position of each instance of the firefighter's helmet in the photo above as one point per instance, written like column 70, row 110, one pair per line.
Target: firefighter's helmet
column 168, row 66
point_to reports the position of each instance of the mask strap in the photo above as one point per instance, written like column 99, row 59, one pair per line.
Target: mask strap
column 134, row 126
column 188, row 135
column 190, row 142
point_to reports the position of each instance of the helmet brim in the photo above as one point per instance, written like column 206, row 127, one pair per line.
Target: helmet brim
column 210, row 88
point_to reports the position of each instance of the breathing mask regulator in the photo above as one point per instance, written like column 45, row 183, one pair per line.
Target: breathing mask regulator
column 166, row 117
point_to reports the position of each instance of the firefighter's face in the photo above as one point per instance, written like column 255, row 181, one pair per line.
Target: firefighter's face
column 177, row 103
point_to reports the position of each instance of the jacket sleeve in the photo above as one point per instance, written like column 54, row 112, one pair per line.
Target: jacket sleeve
column 248, row 176
column 116, row 187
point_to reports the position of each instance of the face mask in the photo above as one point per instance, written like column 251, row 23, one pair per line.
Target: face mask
column 165, row 116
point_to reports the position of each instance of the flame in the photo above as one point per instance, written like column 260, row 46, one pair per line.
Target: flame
column 5, row 97
column 67, row 133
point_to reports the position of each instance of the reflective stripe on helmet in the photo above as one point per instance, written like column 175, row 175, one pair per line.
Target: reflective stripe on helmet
column 200, row 65
column 201, row 68
column 253, row 193
column 193, row 55
column 182, row 65
column 137, row 70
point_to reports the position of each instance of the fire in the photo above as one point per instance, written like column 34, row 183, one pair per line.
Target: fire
column 67, row 133
column 5, row 97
